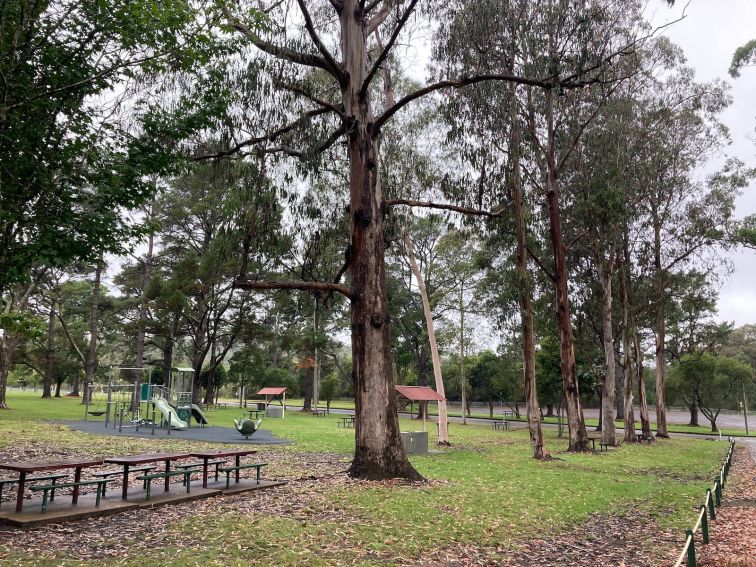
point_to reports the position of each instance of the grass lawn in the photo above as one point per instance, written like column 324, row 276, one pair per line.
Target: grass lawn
column 485, row 494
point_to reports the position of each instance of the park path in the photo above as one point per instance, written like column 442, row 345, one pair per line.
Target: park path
column 733, row 533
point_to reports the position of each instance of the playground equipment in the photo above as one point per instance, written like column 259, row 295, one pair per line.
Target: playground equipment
column 246, row 426
column 128, row 405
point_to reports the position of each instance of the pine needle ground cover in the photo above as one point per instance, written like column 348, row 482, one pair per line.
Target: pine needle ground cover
column 485, row 500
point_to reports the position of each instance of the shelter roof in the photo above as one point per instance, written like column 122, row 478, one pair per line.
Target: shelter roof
column 271, row 391
column 419, row 393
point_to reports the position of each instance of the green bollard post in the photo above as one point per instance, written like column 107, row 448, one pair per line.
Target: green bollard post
column 691, row 548
column 718, row 492
column 704, row 525
column 710, row 500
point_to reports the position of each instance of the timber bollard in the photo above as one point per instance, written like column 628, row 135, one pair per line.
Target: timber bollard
column 704, row 525
column 710, row 500
column 691, row 548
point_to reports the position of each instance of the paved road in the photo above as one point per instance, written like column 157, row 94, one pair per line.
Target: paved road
column 725, row 420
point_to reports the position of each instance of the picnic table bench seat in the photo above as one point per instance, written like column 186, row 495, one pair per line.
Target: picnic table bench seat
column 237, row 468
column 186, row 473
column 52, row 477
column 216, row 462
column 109, row 474
column 51, row 488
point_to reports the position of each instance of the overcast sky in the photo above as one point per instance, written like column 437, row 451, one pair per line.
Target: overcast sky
column 709, row 34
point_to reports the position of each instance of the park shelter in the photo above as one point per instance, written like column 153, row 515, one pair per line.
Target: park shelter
column 273, row 392
column 419, row 394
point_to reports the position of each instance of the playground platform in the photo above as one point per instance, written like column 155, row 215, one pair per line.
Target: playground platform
column 209, row 434
column 61, row 510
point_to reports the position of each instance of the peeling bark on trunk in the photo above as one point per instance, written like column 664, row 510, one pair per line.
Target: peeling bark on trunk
column 608, row 432
column 660, row 331
column 627, row 364
column 379, row 451
column 642, row 402
column 578, row 437
column 443, row 433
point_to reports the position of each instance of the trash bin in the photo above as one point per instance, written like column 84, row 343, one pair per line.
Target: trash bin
column 415, row 441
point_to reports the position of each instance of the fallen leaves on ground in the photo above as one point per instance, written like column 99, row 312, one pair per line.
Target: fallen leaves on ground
column 733, row 533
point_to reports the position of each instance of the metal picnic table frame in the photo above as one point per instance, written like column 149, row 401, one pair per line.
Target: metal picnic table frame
column 134, row 460
column 37, row 466
column 209, row 455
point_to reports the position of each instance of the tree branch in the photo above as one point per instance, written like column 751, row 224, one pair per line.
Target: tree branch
column 454, row 83
column 320, row 102
column 381, row 16
column 385, row 50
column 446, row 207
column 275, row 50
column 304, row 286
column 334, row 67
column 70, row 338
column 267, row 138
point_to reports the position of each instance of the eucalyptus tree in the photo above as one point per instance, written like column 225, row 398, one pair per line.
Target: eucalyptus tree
column 347, row 106
column 459, row 250
column 576, row 44
column 685, row 217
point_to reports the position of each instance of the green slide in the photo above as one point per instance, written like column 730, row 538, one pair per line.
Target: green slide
column 165, row 408
column 198, row 416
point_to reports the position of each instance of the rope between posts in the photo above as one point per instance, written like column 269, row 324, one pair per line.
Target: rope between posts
column 712, row 500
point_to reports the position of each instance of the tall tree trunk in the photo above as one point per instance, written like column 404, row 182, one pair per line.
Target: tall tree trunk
column 578, row 437
column 693, row 408
column 167, row 361
column 142, row 322
column 627, row 364
column 462, row 379
column 201, row 338
column 8, row 343
column 642, row 401
column 608, row 432
column 49, row 352
column 619, row 387
column 660, row 332
column 91, row 362
column 443, row 429
column 316, row 355
column 310, row 380
column 379, row 451
column 525, row 297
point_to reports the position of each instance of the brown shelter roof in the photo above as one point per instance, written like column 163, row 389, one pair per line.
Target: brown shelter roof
column 272, row 391
column 419, row 393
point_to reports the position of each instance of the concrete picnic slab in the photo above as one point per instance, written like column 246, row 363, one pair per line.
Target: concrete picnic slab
column 209, row 434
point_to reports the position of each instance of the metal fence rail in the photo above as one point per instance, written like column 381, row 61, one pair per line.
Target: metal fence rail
column 709, row 507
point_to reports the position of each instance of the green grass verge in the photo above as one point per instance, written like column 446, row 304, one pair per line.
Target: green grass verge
column 486, row 491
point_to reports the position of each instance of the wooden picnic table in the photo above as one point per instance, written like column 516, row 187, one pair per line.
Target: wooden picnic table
column 134, row 460
column 209, row 455
column 347, row 421
column 257, row 413
column 36, row 466
column 319, row 412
